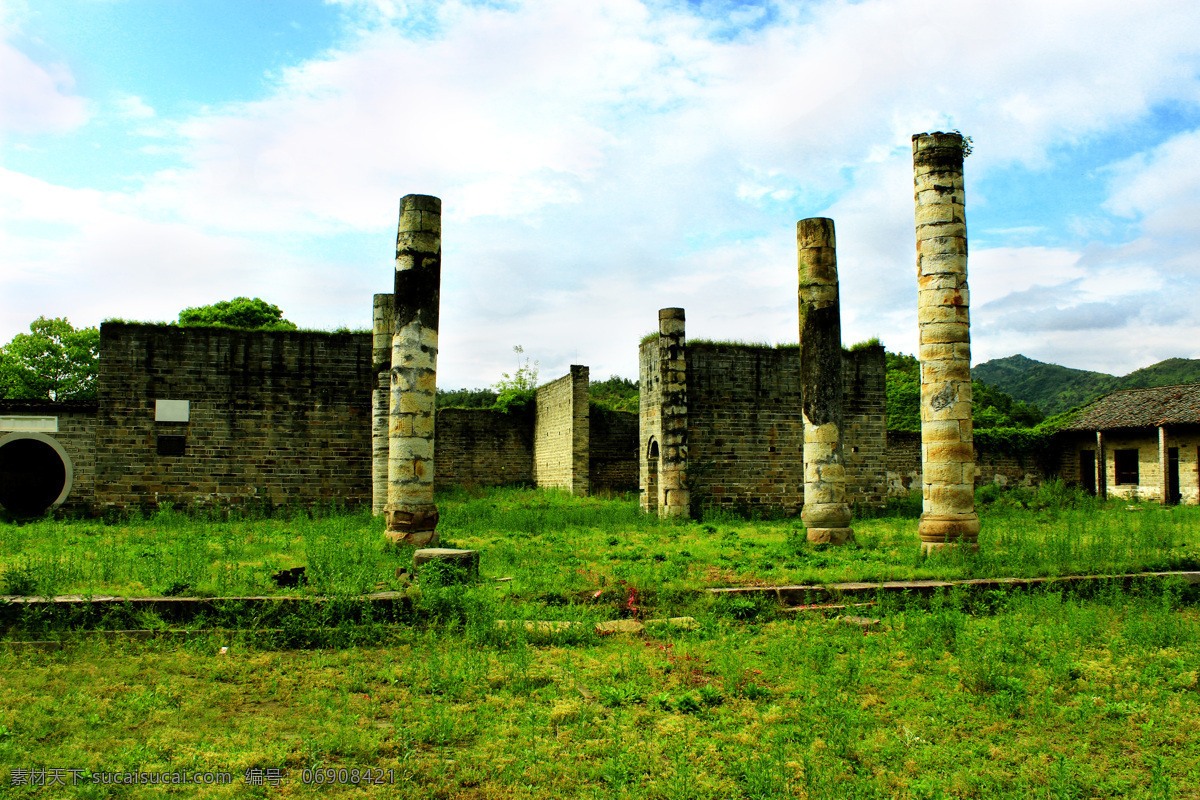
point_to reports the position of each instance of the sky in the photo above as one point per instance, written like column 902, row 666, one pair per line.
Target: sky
column 598, row 160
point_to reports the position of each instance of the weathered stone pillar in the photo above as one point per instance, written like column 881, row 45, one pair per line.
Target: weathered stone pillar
column 826, row 513
column 382, row 311
column 1101, row 467
column 411, row 514
column 674, row 499
column 947, row 452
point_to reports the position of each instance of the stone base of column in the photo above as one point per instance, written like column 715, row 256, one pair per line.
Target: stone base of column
column 409, row 527
column 948, row 530
column 828, row 523
column 830, row 535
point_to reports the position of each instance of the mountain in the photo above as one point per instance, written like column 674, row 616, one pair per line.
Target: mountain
column 1054, row 389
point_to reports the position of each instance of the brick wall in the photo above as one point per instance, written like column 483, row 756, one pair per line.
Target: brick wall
column 480, row 447
column 275, row 417
column 746, row 427
column 649, row 423
column 560, row 441
column 76, row 435
column 613, row 450
column 903, row 463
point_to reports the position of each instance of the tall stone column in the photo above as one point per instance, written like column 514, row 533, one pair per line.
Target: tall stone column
column 411, row 513
column 674, row 498
column 382, row 311
column 826, row 513
column 947, row 452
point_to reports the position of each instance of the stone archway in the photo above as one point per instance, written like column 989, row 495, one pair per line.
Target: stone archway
column 651, row 504
column 35, row 473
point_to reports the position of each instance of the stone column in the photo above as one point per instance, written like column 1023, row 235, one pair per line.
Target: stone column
column 674, row 499
column 1101, row 467
column 382, row 311
column 411, row 514
column 947, row 452
column 826, row 513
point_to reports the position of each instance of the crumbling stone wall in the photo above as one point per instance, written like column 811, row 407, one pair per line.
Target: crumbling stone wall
column 903, row 461
column 76, row 435
column 275, row 417
column 560, row 443
column 612, row 450
column 480, row 447
column 745, row 429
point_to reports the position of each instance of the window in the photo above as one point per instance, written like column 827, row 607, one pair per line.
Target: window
column 171, row 445
column 1126, row 462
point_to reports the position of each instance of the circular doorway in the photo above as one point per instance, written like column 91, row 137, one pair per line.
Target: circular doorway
column 35, row 473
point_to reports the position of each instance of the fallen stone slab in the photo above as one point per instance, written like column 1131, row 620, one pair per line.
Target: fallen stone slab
column 465, row 560
column 539, row 626
column 814, row 594
column 619, row 626
column 682, row 623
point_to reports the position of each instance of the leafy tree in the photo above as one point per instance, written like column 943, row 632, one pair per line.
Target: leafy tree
column 515, row 392
column 903, row 392
column 616, row 393
column 466, row 398
column 54, row 361
column 240, row 312
column 990, row 408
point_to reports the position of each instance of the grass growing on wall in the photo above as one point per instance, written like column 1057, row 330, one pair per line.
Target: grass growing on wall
column 555, row 545
column 1033, row 695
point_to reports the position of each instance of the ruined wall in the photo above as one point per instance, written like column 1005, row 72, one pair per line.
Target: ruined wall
column 560, row 441
column 481, row 447
column 746, row 430
column 903, row 459
column 864, row 424
column 274, row 417
column 649, row 423
column 613, row 450
column 76, row 435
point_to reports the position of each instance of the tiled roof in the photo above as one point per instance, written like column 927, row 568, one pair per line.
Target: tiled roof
column 1137, row 408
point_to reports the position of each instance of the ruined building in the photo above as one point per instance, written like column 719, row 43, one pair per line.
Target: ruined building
column 721, row 425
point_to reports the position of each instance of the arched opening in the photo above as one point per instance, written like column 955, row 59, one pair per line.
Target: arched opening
column 650, row 501
column 35, row 473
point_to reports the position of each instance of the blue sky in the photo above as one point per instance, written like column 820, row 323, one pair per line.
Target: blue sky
column 601, row 159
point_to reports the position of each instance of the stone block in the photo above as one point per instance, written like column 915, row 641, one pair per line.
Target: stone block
column 835, row 536
column 463, row 562
column 944, row 333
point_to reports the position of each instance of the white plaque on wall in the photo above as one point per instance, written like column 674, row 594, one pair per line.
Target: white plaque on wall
column 42, row 424
column 170, row 410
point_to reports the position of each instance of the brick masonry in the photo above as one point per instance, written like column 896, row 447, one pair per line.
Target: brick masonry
column 903, row 464
column 746, row 429
column 275, row 417
column 560, row 442
column 480, row 447
column 76, row 435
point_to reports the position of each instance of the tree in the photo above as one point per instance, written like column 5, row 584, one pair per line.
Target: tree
column 515, row 392
column 240, row 312
column 54, row 361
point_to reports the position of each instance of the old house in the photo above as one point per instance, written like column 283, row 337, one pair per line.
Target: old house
column 1139, row 444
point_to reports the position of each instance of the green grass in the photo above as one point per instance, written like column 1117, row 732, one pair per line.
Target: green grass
column 556, row 546
column 1034, row 695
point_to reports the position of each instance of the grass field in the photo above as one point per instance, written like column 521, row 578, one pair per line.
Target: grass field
column 553, row 544
column 1033, row 695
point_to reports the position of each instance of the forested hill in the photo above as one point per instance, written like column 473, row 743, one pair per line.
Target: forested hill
column 1054, row 389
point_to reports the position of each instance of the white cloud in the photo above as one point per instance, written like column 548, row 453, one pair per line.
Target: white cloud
column 36, row 98
column 601, row 159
